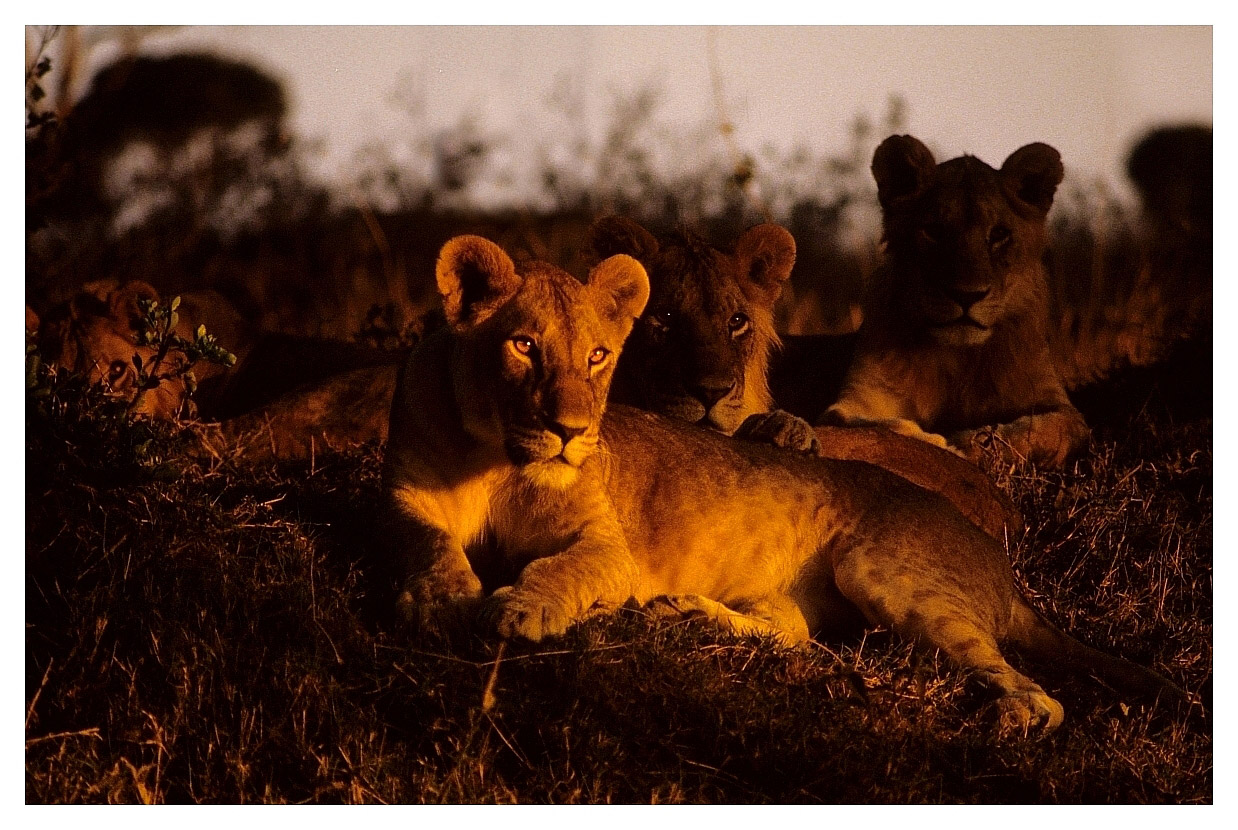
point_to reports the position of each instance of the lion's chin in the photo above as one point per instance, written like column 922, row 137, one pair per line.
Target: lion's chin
column 555, row 474
column 963, row 332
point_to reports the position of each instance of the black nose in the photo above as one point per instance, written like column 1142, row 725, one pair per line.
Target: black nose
column 710, row 393
column 967, row 297
column 566, row 433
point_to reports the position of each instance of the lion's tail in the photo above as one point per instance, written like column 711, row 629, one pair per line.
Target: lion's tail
column 1035, row 637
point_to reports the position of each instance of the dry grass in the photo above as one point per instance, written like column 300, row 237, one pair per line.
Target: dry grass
column 226, row 638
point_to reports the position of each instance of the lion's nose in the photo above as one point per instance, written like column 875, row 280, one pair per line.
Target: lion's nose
column 566, row 430
column 967, row 297
column 710, row 394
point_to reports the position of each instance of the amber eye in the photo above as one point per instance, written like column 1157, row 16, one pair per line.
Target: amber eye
column 117, row 370
column 523, row 344
column 999, row 236
column 597, row 356
column 739, row 323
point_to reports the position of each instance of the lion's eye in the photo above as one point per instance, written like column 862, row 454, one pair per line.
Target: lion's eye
column 117, row 370
column 739, row 323
column 999, row 236
column 523, row 344
column 597, row 356
column 661, row 320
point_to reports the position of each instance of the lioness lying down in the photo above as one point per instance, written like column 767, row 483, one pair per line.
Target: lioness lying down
column 286, row 396
column 498, row 445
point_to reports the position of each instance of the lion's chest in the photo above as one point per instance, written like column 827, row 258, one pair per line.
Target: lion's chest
column 527, row 521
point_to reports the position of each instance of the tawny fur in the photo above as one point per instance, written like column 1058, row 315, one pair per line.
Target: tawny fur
column 501, row 444
column 953, row 349
column 700, row 289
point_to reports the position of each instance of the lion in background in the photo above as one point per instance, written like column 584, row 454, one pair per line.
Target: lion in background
column 705, row 346
column 286, row 397
column 953, row 348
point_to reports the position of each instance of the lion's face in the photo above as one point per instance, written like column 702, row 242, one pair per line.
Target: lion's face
column 700, row 351
column 965, row 241
column 537, row 350
column 94, row 334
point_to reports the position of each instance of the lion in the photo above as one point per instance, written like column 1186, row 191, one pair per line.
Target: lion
column 953, row 346
column 96, row 332
column 706, row 345
column 502, row 445
column 285, row 397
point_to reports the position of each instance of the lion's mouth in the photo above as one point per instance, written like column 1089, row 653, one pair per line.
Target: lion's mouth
column 962, row 321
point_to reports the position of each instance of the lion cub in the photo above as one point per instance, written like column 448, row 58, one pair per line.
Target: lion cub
column 705, row 350
column 499, row 445
column 953, row 347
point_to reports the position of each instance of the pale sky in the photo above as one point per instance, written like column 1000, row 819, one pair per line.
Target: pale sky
column 1088, row 91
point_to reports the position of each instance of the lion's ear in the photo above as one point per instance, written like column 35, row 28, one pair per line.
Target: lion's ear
column 612, row 235
column 475, row 277
column 620, row 288
column 902, row 166
column 1033, row 173
column 766, row 255
column 123, row 305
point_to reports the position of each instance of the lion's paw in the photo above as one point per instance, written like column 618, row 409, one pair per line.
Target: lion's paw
column 782, row 429
column 1021, row 711
column 973, row 444
column 429, row 599
column 521, row 614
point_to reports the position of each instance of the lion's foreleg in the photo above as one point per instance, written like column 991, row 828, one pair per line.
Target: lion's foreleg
column 437, row 577
column 1048, row 438
column 596, row 571
column 778, row 617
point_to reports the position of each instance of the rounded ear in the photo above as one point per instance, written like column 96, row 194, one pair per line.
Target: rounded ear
column 122, row 303
column 766, row 255
column 32, row 321
column 612, row 235
column 1033, row 173
column 474, row 277
column 902, row 166
column 620, row 288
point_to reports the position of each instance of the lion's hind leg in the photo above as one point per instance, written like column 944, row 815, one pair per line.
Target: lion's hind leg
column 942, row 616
column 777, row 618
column 1023, row 703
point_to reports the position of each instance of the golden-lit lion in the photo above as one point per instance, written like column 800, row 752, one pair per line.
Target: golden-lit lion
column 501, row 444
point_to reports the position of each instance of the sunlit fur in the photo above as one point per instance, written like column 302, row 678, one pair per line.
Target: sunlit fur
column 755, row 538
column 953, row 347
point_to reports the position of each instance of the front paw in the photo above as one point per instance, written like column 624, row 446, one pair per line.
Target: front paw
column 975, row 444
column 434, row 598
column 782, row 429
column 517, row 613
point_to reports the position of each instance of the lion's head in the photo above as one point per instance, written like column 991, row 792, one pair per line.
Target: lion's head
column 701, row 350
column 95, row 333
column 536, row 351
column 965, row 241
